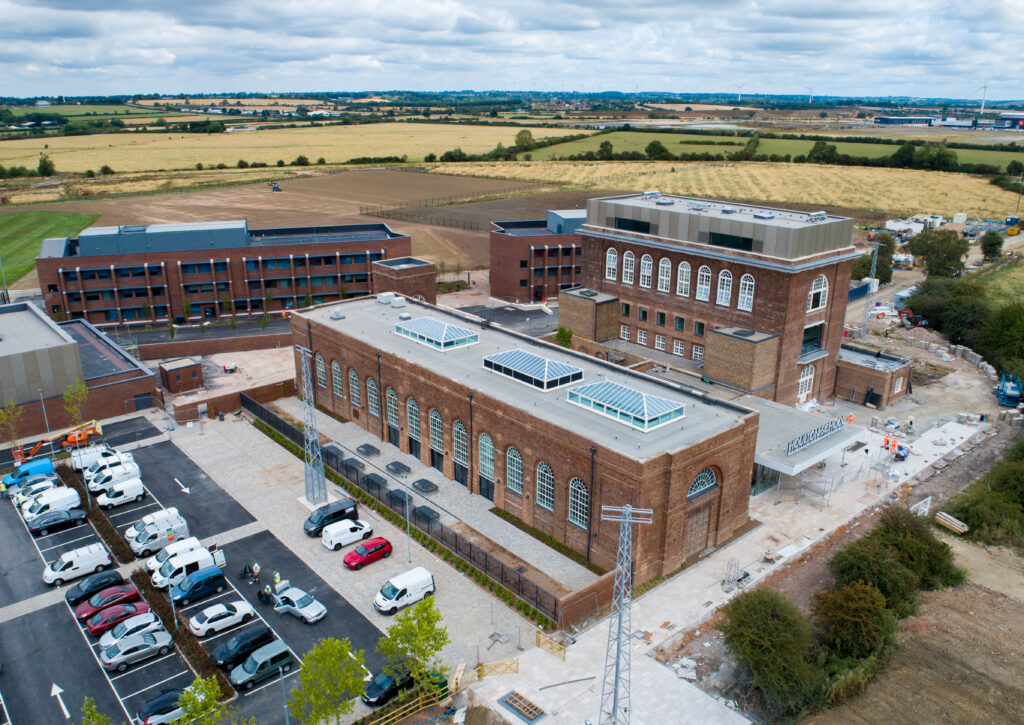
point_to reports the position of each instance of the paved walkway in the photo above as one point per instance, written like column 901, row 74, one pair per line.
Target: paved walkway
column 452, row 500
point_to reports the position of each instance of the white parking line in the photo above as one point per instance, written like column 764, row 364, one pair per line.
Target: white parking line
column 56, row 533
column 58, row 546
column 138, row 668
column 114, row 513
column 156, row 684
column 269, row 626
column 7, row 716
column 204, row 602
column 273, row 681
column 100, row 665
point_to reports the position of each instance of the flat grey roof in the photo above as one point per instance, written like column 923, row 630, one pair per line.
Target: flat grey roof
column 871, row 358
column 745, row 333
column 23, row 328
column 100, row 355
column 178, row 364
column 768, row 216
column 163, row 228
column 374, row 324
column 403, row 262
column 570, row 213
column 588, row 294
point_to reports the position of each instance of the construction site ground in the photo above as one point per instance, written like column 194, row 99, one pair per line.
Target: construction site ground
column 254, row 368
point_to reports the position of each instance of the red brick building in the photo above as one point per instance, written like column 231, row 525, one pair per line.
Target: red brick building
column 181, row 375
column 545, row 433
column 532, row 261
column 206, row 270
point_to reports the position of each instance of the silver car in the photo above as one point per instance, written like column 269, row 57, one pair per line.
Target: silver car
column 139, row 624
column 299, row 604
column 135, row 648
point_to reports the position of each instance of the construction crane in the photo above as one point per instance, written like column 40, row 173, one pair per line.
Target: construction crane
column 74, row 436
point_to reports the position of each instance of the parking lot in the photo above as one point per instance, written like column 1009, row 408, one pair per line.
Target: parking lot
column 40, row 630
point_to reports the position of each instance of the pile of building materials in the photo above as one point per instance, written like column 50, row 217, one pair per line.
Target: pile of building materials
column 948, row 522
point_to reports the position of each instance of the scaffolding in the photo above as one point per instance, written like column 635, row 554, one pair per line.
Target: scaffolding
column 316, row 487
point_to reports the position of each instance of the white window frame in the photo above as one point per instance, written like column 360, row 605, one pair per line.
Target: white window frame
column 819, row 288
column 412, row 415
column 611, row 264
column 641, row 337
column 545, row 486
column 723, row 298
column 485, row 449
column 706, row 480
column 664, row 275
column 436, row 423
column 628, row 263
column 683, row 280
column 659, row 342
column 805, row 383
column 460, row 443
column 646, row 270
column 321, row 371
column 337, row 379
column 391, row 401
column 372, row 398
column 897, row 385
column 746, row 298
column 704, row 283
column 353, row 388
column 514, row 469
column 679, row 348
column 579, row 503
column 697, row 352
column 623, row 332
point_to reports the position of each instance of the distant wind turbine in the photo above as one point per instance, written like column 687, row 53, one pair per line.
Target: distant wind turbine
column 810, row 94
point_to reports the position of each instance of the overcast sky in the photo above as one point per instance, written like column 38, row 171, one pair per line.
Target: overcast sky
column 869, row 47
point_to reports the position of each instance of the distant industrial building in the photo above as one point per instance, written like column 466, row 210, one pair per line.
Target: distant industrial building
column 534, row 260
column 206, row 270
column 904, row 120
column 1010, row 121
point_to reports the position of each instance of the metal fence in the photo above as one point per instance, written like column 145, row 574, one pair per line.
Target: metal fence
column 396, row 499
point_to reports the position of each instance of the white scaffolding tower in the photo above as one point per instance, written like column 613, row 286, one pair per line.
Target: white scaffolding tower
column 316, row 487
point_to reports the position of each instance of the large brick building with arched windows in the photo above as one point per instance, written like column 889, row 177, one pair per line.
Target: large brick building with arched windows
column 548, row 434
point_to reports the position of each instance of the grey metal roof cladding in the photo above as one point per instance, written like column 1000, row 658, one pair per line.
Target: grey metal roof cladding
column 626, row 404
column 53, row 247
column 532, row 369
column 434, row 333
column 404, row 262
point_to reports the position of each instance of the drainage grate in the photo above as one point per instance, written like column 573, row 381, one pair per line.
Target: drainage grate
column 523, row 706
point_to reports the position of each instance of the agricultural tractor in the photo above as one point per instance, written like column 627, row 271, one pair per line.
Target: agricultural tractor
column 274, row 186
column 1008, row 390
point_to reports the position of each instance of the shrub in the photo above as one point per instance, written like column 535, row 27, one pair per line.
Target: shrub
column 301, row 161
column 105, row 170
column 993, row 516
column 772, row 640
column 913, row 542
column 871, row 562
column 242, row 164
column 106, row 530
column 856, row 622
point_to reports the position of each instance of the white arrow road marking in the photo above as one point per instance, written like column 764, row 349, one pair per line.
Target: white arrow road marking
column 182, row 486
column 55, row 692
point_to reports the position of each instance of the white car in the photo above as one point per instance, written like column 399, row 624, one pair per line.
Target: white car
column 343, row 533
column 33, row 487
column 139, row 624
column 220, row 617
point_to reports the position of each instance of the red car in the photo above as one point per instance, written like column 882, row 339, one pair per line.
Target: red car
column 106, row 598
column 112, row 616
column 368, row 552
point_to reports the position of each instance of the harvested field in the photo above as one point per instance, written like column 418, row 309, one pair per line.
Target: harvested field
column 893, row 191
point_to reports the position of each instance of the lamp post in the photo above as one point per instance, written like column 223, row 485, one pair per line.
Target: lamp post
column 42, row 404
column 408, row 528
column 284, row 699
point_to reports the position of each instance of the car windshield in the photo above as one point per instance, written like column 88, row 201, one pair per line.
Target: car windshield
column 119, row 631
column 317, row 516
column 111, row 652
column 166, row 569
column 145, row 536
column 250, row 665
column 36, row 505
column 96, row 620
column 95, row 599
column 390, row 591
column 234, row 644
column 201, row 617
column 383, row 681
column 96, row 466
column 361, row 550
column 304, row 601
column 162, row 556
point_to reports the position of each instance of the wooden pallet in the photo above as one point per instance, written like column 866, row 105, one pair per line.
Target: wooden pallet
column 523, row 706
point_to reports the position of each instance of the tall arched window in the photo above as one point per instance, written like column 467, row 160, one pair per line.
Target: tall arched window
column 321, row 371
column 683, row 280
column 817, row 298
column 353, row 387
column 392, row 402
column 611, row 264
column 724, row 297
column 704, row 283
column 806, row 383
column 460, row 445
column 664, row 275
column 337, row 380
column 372, row 399
column 746, row 300
column 412, row 413
column 436, row 431
column 646, row 270
column 627, row 268
column 486, row 456
column 514, row 470
column 579, row 503
column 545, row 486
column 703, row 481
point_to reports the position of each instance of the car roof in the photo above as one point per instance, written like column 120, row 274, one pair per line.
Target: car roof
column 270, row 649
column 215, row 609
column 260, row 630
column 375, row 540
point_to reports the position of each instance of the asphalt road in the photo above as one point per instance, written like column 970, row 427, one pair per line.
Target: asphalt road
column 115, row 434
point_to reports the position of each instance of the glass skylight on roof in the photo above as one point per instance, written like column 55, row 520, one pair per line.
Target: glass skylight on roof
column 626, row 405
column 532, row 369
column 436, row 334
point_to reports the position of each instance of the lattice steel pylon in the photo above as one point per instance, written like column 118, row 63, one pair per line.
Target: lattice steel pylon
column 615, row 705
column 316, row 487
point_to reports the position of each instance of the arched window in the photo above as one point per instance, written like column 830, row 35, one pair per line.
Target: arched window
column 646, row 269
column 337, row 380
column 545, row 486
column 683, row 280
column 486, row 456
column 579, row 503
column 392, row 403
column 627, row 268
column 806, row 383
column 611, row 264
column 460, row 446
column 514, row 470
column 372, row 399
column 664, row 275
column 436, row 431
column 412, row 413
column 704, row 283
column 817, row 298
column 746, row 300
column 321, row 371
column 703, row 481
column 724, row 297
column 353, row 387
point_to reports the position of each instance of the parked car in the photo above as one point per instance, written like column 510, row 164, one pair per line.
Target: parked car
column 383, row 687
column 117, row 594
column 180, row 546
column 106, row 464
column 198, row 585
column 34, row 486
column 233, row 652
column 121, row 493
column 328, row 514
column 139, row 624
column 407, row 588
column 76, row 563
column 90, row 585
column 154, row 537
column 176, row 568
column 85, row 456
column 298, row 603
column 344, row 533
column 135, row 648
column 110, row 617
column 157, row 518
column 162, row 709
column 56, row 521
column 103, row 482
column 26, row 470
column 265, row 662
column 219, row 617
column 367, row 553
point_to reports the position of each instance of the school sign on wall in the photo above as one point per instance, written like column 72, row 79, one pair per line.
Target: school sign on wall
column 814, row 435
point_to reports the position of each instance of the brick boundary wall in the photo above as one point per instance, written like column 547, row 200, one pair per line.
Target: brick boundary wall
column 578, row 606
column 213, row 345
column 230, row 402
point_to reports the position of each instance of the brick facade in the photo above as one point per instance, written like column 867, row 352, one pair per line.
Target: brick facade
column 528, row 269
column 178, row 376
column 854, row 382
column 407, row 276
column 742, row 358
column 213, row 345
column 593, row 319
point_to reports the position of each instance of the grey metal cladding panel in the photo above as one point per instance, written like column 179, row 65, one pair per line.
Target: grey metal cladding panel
column 7, row 383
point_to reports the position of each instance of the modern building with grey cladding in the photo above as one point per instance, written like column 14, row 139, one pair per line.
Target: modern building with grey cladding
column 36, row 355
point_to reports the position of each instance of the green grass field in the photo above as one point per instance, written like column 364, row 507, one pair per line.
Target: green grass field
column 1004, row 286
column 22, row 231
column 75, row 111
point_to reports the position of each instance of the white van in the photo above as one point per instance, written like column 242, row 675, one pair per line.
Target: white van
column 405, row 589
column 109, row 466
column 85, row 456
column 157, row 518
column 155, row 537
column 73, row 564
column 33, row 487
column 121, row 493
column 104, row 480
column 180, row 546
column 61, row 498
column 178, row 567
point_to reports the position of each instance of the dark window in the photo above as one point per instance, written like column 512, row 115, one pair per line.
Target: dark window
column 659, row 319
column 578, row 269
column 51, row 288
column 680, row 324
column 88, row 274
column 220, row 266
column 566, row 251
column 110, row 315
column 522, row 283
column 730, row 241
column 158, row 291
column 579, row 251
column 299, row 261
column 553, row 252
column 252, row 264
column 624, row 309
column 698, row 329
column 374, row 257
column 642, row 314
column 522, row 264
column 103, row 274
column 154, row 270
column 539, row 272
column 71, row 276
column 56, row 309
column 812, row 338
column 346, row 259
column 632, row 225
column 359, row 258
column 123, row 272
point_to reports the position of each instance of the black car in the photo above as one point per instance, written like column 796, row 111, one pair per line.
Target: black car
column 233, row 652
column 56, row 521
column 329, row 513
column 383, row 687
column 92, row 584
column 161, row 709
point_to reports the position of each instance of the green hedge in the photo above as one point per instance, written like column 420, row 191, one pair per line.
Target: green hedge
column 106, row 530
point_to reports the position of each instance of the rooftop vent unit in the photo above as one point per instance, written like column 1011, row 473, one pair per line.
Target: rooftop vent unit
column 652, row 194
column 385, row 298
column 588, row 293
column 405, row 316
column 699, row 206
column 132, row 228
column 664, row 201
column 763, row 215
column 729, row 210
column 337, row 315
column 398, row 302
column 745, row 332
column 817, row 216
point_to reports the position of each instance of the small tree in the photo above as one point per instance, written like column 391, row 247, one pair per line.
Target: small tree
column 226, row 305
column 170, row 329
column 92, row 716
column 309, row 299
column 524, row 139
column 46, row 166
column 991, row 245
column 871, row 562
column 857, row 624
column 330, row 678
column 414, row 641
column 605, row 151
column 105, row 170
column 943, row 251
column 186, row 307
column 201, row 705
column 147, row 311
column 342, row 292
column 75, row 397
column 656, row 150
column 10, row 414
column 301, row 161
column 563, row 336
